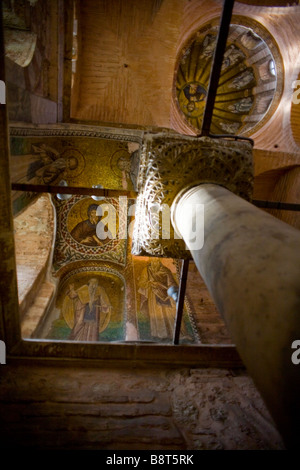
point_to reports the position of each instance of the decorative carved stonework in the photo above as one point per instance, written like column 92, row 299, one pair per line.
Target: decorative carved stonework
column 75, row 130
column 170, row 163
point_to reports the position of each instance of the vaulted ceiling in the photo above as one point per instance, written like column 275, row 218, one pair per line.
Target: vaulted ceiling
column 139, row 65
column 128, row 53
column 131, row 57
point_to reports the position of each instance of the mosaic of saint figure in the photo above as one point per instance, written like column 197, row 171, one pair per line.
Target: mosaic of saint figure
column 85, row 232
column 153, row 286
column 242, row 80
column 50, row 164
column 125, row 165
column 194, row 93
column 209, row 44
column 242, row 106
column 87, row 310
column 232, row 55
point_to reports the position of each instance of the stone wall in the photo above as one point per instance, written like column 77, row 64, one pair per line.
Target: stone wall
column 33, row 233
column 60, row 407
column 210, row 325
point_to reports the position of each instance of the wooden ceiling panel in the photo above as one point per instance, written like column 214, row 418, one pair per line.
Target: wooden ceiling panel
column 127, row 61
column 270, row 3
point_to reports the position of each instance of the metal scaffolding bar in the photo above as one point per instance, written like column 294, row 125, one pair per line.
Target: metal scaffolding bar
column 216, row 66
column 180, row 300
column 42, row 188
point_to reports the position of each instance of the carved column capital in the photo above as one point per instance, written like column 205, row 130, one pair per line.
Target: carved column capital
column 169, row 164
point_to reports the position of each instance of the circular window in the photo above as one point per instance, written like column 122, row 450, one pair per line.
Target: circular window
column 272, row 68
column 248, row 84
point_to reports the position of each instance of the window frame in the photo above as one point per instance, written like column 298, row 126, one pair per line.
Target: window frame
column 127, row 354
column 131, row 353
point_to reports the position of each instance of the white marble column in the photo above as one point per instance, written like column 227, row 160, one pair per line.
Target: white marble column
column 250, row 262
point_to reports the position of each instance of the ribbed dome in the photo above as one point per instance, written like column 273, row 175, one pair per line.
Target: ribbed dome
column 247, row 83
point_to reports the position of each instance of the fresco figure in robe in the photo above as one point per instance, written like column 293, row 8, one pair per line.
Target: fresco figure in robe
column 155, row 302
column 49, row 165
column 85, row 232
column 87, row 311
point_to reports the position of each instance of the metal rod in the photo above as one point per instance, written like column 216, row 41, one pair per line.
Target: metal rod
column 41, row 188
column 108, row 193
column 283, row 206
column 217, row 65
column 180, row 300
column 232, row 137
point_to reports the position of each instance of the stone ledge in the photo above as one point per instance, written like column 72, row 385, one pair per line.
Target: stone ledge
column 35, row 313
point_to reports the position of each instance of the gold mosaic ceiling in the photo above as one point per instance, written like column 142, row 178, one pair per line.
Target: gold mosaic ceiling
column 248, row 86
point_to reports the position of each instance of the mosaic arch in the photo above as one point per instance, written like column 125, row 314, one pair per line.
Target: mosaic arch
column 77, row 236
column 95, row 303
column 90, row 306
column 250, row 83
